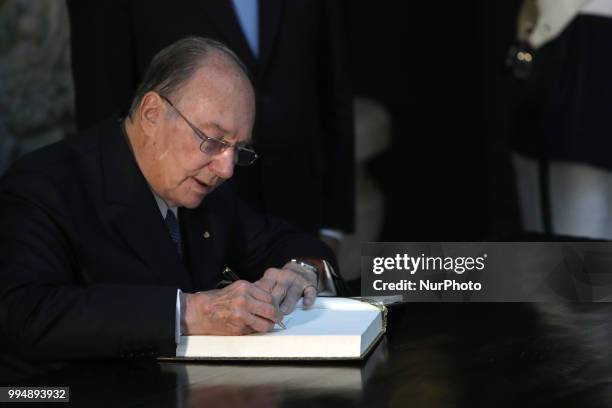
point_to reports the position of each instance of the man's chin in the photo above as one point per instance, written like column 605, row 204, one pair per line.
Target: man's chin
column 194, row 201
column 196, row 197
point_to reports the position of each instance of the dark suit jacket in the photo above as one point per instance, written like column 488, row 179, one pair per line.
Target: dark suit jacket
column 87, row 266
column 304, row 126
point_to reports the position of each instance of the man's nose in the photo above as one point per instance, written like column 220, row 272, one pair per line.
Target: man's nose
column 223, row 164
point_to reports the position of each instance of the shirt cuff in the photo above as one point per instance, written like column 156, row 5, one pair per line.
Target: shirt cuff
column 332, row 233
column 177, row 325
column 328, row 288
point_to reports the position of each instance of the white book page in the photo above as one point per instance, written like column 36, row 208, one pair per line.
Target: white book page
column 304, row 322
column 328, row 316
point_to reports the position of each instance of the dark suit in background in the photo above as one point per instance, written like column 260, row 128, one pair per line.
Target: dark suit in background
column 87, row 266
column 304, row 126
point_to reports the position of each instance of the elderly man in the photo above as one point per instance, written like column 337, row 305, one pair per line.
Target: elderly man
column 113, row 244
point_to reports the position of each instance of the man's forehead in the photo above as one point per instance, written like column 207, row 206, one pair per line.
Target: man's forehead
column 220, row 72
column 210, row 86
column 218, row 103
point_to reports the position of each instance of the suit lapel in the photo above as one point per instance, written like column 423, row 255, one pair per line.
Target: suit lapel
column 205, row 240
column 270, row 12
column 132, row 212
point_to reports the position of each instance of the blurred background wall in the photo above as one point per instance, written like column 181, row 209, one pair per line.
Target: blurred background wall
column 438, row 67
column 36, row 98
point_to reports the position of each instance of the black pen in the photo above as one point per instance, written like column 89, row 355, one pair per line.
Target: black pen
column 231, row 276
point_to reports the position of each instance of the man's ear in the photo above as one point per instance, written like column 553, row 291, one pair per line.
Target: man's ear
column 150, row 112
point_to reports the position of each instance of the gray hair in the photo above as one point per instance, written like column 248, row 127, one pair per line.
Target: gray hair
column 175, row 65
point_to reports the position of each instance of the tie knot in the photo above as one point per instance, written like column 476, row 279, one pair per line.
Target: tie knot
column 170, row 217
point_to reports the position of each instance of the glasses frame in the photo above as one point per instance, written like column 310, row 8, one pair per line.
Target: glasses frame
column 205, row 138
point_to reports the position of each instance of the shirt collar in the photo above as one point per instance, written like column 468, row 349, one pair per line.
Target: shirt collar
column 163, row 207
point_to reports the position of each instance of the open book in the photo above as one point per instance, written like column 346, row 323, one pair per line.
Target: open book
column 333, row 328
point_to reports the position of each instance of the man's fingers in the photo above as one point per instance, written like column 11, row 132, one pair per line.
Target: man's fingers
column 251, row 299
column 269, row 279
column 259, row 324
column 258, row 292
column 293, row 295
column 263, row 309
column 310, row 295
column 306, row 275
column 286, row 287
column 280, row 292
column 265, row 284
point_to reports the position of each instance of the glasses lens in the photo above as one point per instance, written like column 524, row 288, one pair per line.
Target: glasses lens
column 212, row 147
column 245, row 157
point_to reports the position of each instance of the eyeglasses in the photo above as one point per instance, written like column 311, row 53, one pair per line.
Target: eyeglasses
column 243, row 156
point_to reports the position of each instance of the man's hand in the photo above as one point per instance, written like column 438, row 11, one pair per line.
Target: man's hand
column 288, row 284
column 240, row 308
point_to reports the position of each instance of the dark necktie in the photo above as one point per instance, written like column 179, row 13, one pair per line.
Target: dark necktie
column 175, row 231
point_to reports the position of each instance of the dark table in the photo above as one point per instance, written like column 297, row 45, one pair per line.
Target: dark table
column 433, row 355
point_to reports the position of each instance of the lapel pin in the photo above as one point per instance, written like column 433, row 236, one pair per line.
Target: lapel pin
column 206, row 234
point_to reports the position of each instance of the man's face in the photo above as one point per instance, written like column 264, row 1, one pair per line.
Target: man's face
column 218, row 104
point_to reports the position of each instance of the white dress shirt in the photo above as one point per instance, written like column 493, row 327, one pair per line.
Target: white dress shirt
column 163, row 209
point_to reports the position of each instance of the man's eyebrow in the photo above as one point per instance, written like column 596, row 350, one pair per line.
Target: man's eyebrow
column 224, row 132
column 217, row 126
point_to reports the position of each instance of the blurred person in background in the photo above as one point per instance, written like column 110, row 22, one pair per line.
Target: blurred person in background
column 295, row 52
column 561, row 121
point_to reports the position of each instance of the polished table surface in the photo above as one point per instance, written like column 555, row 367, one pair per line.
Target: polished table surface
column 433, row 355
